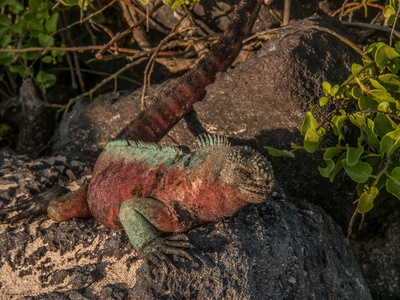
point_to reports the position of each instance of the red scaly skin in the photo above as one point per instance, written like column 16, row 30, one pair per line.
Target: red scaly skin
column 193, row 197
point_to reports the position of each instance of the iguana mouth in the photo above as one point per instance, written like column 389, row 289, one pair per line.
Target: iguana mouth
column 256, row 190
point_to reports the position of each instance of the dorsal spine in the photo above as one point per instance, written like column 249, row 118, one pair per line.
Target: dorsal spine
column 211, row 140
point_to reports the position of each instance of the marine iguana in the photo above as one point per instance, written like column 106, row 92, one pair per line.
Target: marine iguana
column 147, row 189
column 227, row 178
column 164, row 189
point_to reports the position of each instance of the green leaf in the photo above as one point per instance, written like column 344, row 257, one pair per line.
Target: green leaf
column 389, row 11
column 19, row 28
column 47, row 59
column 34, row 5
column 368, row 128
column 15, row 7
column 334, row 90
column 338, row 167
column 390, row 142
column 355, row 68
column 21, row 70
column 46, row 80
column 390, row 81
column 366, row 102
column 356, row 92
column 5, row 40
column 323, row 101
column 384, row 124
column 376, row 84
column 309, row 121
column 51, row 23
column 393, row 66
column 55, row 53
column 353, row 155
column 176, row 5
column 46, row 40
column 5, row 23
column 393, row 182
column 384, row 54
column 381, row 96
column 277, row 153
column 326, row 88
column 328, row 156
column 359, row 173
column 366, row 201
column 35, row 27
column 5, row 59
column 337, row 124
column 312, row 139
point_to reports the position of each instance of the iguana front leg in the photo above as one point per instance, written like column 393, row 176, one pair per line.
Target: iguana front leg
column 140, row 217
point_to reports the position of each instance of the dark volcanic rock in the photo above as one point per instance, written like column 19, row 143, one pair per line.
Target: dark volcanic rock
column 277, row 250
column 377, row 249
column 280, row 249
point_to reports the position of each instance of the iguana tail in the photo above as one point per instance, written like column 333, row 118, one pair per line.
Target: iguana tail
column 178, row 99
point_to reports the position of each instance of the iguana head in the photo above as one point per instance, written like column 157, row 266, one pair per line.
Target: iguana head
column 249, row 172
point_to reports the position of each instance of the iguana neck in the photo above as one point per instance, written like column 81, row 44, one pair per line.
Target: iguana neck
column 178, row 99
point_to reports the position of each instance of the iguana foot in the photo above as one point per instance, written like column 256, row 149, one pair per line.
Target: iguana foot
column 32, row 208
column 157, row 250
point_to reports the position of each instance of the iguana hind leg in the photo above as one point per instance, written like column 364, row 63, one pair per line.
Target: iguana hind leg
column 140, row 217
column 58, row 203
column 71, row 205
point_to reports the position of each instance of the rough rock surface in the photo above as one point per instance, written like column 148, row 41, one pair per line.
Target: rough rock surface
column 280, row 250
column 377, row 249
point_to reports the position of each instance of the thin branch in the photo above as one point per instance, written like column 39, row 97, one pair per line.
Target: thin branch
column 146, row 81
column 286, row 12
column 371, row 26
column 83, row 49
column 345, row 40
column 380, row 112
column 119, row 36
column 134, row 7
column 87, row 18
column 104, row 81
column 340, row 10
column 350, row 228
column 394, row 26
column 270, row 31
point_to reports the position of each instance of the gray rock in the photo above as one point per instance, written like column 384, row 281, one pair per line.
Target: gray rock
column 377, row 248
column 277, row 250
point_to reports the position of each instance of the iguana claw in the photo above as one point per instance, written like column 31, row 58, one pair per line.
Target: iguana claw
column 32, row 208
column 156, row 251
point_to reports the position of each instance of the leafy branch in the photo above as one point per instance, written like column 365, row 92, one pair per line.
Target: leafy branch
column 373, row 162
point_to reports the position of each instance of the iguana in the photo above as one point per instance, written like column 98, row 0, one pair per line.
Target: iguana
column 213, row 182
column 146, row 189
